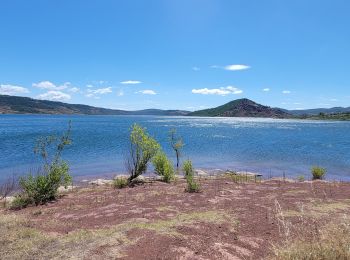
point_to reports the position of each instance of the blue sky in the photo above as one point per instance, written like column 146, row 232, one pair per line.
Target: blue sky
column 177, row 54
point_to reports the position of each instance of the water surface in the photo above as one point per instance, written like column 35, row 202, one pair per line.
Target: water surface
column 267, row 146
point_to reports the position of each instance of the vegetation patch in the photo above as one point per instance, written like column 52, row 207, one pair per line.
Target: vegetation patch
column 331, row 242
column 318, row 208
column 169, row 226
column 19, row 240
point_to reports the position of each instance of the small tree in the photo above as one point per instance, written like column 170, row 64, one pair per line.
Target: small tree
column 142, row 149
column 177, row 145
column 43, row 187
column 163, row 166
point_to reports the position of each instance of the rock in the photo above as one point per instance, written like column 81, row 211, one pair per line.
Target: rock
column 101, row 182
column 63, row 189
column 201, row 172
column 139, row 179
column 8, row 200
column 121, row 176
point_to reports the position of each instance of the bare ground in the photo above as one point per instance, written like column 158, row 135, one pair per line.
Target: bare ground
column 155, row 220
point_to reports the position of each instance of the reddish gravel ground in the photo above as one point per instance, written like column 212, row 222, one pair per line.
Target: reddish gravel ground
column 155, row 220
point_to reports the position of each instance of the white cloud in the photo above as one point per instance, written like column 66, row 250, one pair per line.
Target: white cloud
column 51, row 86
column 100, row 90
column 286, row 92
column 55, row 95
column 130, row 82
column 235, row 67
column 147, row 92
column 333, row 100
column 6, row 89
column 218, row 91
column 196, row 69
column 89, row 86
column 120, row 93
column 266, row 89
column 74, row 89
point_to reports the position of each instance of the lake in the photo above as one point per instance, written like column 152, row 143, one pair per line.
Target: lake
column 267, row 146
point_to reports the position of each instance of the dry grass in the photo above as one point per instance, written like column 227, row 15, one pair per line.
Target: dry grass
column 318, row 208
column 169, row 226
column 330, row 242
column 19, row 240
column 313, row 240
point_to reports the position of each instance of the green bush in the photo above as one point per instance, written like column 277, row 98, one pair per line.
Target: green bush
column 188, row 168
column 192, row 184
column 120, row 182
column 318, row 173
column 163, row 167
column 43, row 187
column 142, row 149
column 19, row 202
column 301, row 178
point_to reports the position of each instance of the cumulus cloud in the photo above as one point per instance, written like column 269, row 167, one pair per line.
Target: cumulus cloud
column 55, row 95
column 235, row 67
column 266, row 89
column 74, row 89
column 130, row 82
column 6, row 89
column 48, row 85
column 51, row 86
column 147, row 92
column 100, row 90
column 218, row 91
column 286, row 92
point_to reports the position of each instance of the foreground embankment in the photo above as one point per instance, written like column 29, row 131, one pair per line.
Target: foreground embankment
column 229, row 219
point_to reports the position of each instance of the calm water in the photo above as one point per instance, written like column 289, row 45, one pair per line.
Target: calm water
column 263, row 145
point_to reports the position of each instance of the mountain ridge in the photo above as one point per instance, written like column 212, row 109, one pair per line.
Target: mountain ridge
column 242, row 108
column 236, row 108
column 25, row 105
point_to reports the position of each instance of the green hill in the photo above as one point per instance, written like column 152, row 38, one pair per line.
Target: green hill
column 24, row 105
column 242, row 108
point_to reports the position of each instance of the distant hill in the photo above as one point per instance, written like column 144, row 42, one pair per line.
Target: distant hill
column 317, row 111
column 242, row 108
column 24, row 105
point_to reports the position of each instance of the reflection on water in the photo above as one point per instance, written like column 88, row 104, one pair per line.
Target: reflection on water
column 262, row 145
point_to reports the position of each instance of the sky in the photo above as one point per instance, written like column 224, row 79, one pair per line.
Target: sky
column 177, row 54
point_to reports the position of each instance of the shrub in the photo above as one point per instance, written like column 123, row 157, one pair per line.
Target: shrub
column 120, row 182
column 43, row 187
column 19, row 202
column 301, row 178
column 188, row 168
column 163, row 167
column 318, row 173
column 142, row 149
column 192, row 184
